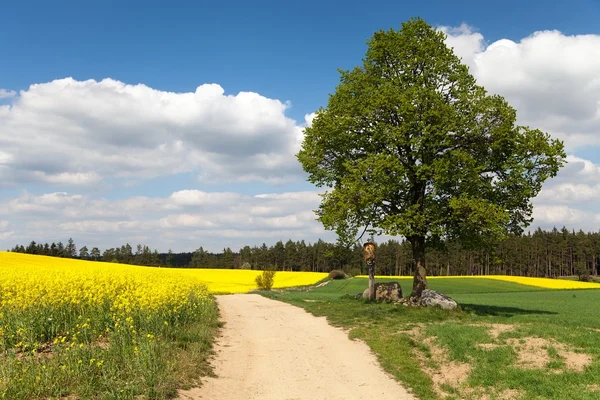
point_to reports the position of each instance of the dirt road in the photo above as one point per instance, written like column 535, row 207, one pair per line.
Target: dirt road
column 274, row 351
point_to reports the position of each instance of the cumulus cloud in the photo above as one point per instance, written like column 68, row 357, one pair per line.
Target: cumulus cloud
column 5, row 94
column 570, row 193
column 465, row 41
column 549, row 216
column 308, row 118
column 73, row 132
column 5, row 235
column 552, row 79
column 579, row 170
column 84, row 133
column 577, row 184
column 184, row 220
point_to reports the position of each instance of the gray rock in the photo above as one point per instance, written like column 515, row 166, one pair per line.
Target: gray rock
column 388, row 291
column 431, row 298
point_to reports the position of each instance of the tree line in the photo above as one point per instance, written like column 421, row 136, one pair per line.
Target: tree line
column 540, row 253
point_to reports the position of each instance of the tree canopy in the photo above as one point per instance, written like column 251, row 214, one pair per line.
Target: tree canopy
column 410, row 145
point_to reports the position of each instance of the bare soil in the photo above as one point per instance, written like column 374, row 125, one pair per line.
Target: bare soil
column 495, row 330
column 533, row 353
column 452, row 373
column 270, row 350
column 593, row 388
column 480, row 393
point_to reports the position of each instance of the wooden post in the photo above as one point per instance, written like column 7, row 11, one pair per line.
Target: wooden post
column 369, row 255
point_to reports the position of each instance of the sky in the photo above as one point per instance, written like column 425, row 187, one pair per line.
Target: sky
column 176, row 124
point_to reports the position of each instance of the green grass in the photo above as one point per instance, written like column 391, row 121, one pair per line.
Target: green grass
column 144, row 360
column 453, row 286
column 565, row 316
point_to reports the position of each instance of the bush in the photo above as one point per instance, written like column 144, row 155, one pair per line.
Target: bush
column 588, row 278
column 337, row 274
column 585, row 278
column 265, row 280
column 354, row 272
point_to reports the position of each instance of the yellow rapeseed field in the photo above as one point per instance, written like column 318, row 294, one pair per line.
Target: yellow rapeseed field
column 103, row 320
column 66, row 280
column 523, row 280
column 71, row 300
column 243, row 281
column 546, row 282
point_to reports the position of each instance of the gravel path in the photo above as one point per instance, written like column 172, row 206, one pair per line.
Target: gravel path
column 271, row 350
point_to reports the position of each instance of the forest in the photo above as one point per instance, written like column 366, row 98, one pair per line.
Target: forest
column 541, row 253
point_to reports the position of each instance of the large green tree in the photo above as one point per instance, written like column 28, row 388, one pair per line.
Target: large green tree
column 410, row 145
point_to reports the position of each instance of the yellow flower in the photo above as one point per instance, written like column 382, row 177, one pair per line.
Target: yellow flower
column 119, row 297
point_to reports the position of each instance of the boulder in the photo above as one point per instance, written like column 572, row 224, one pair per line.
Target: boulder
column 386, row 291
column 431, row 298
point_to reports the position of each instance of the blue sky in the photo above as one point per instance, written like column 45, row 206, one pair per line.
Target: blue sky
column 282, row 52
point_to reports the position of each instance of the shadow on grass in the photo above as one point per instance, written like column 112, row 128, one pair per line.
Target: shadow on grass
column 484, row 310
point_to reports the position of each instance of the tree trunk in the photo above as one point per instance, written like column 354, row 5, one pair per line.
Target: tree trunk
column 420, row 279
column 371, row 281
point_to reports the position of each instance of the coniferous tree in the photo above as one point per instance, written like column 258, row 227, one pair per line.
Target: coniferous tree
column 95, row 253
column 70, row 250
column 84, row 253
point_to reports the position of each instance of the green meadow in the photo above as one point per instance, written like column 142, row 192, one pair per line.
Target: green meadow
column 506, row 340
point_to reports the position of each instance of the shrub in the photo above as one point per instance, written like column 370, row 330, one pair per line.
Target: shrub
column 588, row 278
column 337, row 274
column 265, row 280
column 354, row 271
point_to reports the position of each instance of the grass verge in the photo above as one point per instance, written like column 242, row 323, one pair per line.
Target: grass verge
column 139, row 361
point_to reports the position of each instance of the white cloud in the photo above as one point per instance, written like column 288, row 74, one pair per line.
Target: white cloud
column 68, row 178
column 579, row 170
column 553, row 80
column 72, row 132
column 548, row 216
column 309, row 197
column 570, row 193
column 308, row 118
column 465, row 42
column 5, row 94
column 184, row 220
column 578, row 182
column 199, row 198
column 5, row 235
column 85, row 133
